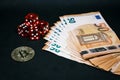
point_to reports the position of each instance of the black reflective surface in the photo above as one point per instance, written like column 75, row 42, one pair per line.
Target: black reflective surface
column 45, row 65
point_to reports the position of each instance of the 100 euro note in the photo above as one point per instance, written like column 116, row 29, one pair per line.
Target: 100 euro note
column 91, row 34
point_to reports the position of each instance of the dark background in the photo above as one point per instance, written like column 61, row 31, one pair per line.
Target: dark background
column 45, row 65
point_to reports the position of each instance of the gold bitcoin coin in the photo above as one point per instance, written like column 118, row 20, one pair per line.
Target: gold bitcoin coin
column 22, row 54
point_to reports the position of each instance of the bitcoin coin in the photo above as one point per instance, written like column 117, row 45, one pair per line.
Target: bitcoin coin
column 22, row 54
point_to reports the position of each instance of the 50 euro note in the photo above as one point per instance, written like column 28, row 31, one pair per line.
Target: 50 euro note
column 60, row 38
column 57, row 33
column 61, row 45
column 106, row 62
column 63, row 50
column 92, row 35
column 72, row 21
column 93, row 42
column 58, row 50
column 66, row 44
column 116, row 68
column 85, row 38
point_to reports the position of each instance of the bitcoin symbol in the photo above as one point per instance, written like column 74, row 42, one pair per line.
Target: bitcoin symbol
column 22, row 54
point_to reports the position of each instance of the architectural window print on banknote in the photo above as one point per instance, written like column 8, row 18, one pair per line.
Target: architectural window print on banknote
column 94, row 38
column 89, row 39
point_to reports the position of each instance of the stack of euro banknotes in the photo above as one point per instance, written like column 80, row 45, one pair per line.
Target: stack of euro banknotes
column 85, row 38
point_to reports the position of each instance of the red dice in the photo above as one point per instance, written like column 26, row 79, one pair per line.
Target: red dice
column 23, row 30
column 33, row 27
column 43, row 27
column 31, row 17
column 34, row 33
